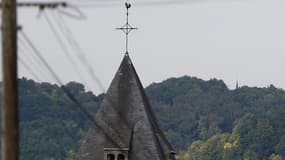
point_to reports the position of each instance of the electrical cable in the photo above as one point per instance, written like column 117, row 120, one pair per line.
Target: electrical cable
column 65, row 89
column 24, row 49
column 77, row 13
column 102, row 4
column 145, row 3
column 79, row 52
column 64, row 48
column 28, row 68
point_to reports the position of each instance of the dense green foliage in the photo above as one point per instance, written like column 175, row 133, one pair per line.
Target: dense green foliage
column 50, row 124
column 204, row 118
column 218, row 123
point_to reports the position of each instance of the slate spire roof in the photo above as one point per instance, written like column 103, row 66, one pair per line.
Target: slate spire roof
column 126, row 121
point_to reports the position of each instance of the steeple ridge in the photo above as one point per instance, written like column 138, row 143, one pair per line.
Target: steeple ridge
column 127, row 117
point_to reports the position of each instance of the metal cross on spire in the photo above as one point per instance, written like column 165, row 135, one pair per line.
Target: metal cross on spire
column 127, row 28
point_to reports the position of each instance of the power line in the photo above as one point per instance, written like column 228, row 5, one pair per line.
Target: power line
column 111, row 3
column 64, row 48
column 77, row 13
column 24, row 49
column 95, row 5
column 28, row 68
column 79, row 52
column 92, row 1
column 145, row 3
column 40, row 57
column 66, row 90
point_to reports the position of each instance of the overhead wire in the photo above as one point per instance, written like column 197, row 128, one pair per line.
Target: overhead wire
column 94, row 5
column 25, row 49
column 93, row 1
column 64, row 48
column 64, row 88
column 25, row 65
column 28, row 68
column 31, row 71
column 83, row 1
column 142, row 3
column 75, row 13
column 102, row 4
column 79, row 51
column 40, row 57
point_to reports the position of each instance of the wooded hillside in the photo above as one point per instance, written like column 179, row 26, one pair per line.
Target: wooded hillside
column 202, row 119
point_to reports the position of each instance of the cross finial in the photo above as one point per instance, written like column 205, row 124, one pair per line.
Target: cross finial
column 127, row 28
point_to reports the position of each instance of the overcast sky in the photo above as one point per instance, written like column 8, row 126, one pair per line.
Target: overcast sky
column 231, row 40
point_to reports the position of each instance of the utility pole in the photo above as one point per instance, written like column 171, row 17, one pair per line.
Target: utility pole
column 10, row 120
column 10, row 134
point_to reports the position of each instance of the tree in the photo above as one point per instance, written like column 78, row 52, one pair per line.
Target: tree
column 275, row 157
column 244, row 129
column 263, row 140
column 280, row 147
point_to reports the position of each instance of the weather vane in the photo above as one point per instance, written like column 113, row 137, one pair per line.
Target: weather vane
column 127, row 28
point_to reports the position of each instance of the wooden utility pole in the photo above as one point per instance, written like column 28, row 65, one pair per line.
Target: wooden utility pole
column 10, row 134
column 10, row 120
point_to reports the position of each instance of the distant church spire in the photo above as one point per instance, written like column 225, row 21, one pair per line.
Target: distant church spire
column 127, row 28
column 237, row 86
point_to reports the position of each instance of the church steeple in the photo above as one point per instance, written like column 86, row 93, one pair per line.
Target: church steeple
column 128, row 126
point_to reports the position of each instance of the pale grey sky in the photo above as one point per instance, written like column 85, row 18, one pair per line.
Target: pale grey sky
column 231, row 40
